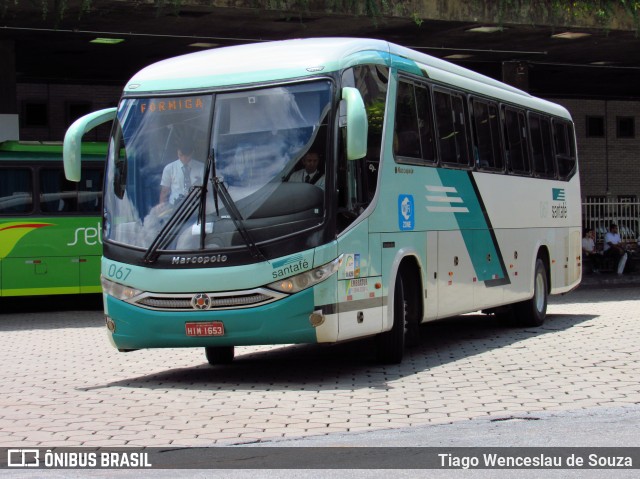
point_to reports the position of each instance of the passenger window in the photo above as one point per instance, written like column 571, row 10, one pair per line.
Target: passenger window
column 413, row 133
column 487, row 147
column 565, row 148
column 543, row 164
column 90, row 191
column 57, row 194
column 16, row 190
column 515, row 128
column 450, row 122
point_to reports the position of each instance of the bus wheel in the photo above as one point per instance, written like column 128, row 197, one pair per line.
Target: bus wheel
column 533, row 311
column 219, row 354
column 391, row 343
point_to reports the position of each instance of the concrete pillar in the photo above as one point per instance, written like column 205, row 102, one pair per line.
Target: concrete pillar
column 516, row 74
column 8, row 101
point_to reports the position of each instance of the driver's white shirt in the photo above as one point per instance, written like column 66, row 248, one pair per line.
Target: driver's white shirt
column 300, row 175
column 173, row 177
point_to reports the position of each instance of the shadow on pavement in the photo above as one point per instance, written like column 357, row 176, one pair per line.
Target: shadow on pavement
column 353, row 364
column 39, row 304
column 51, row 312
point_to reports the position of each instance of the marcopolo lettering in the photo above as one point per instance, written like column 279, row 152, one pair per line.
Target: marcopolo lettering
column 216, row 258
column 404, row 171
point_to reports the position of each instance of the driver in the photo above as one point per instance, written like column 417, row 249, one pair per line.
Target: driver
column 310, row 173
column 180, row 175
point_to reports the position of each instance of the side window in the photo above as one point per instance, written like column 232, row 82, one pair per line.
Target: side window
column 515, row 128
column 565, row 149
column 413, row 138
column 16, row 191
column 90, row 191
column 487, row 147
column 406, row 137
column 357, row 180
column 451, row 129
column 57, row 194
column 542, row 150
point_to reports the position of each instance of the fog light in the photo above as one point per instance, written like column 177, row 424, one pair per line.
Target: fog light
column 316, row 319
column 111, row 325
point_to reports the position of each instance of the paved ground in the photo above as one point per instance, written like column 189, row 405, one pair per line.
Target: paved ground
column 63, row 384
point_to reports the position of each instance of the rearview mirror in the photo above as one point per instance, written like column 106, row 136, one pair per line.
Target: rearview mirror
column 352, row 107
column 72, row 146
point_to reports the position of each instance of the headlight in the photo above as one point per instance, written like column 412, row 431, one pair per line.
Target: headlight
column 118, row 291
column 305, row 280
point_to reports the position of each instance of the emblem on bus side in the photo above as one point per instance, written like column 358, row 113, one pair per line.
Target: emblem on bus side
column 406, row 213
column 201, row 301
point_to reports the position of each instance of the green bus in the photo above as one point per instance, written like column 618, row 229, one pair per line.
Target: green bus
column 50, row 228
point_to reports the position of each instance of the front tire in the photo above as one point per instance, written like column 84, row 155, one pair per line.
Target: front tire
column 390, row 344
column 219, row 354
column 534, row 311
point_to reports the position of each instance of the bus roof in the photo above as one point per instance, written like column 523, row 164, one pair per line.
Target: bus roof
column 288, row 59
column 47, row 150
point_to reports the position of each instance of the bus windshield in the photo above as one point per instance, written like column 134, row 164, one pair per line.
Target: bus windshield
column 248, row 145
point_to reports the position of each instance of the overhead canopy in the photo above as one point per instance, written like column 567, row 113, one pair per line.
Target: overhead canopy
column 579, row 61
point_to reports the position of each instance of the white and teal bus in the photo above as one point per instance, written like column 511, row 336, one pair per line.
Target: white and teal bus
column 444, row 192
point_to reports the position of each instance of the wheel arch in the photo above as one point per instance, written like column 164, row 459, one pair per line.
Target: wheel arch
column 544, row 255
column 407, row 264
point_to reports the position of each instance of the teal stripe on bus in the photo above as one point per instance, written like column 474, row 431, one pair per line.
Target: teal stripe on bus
column 475, row 227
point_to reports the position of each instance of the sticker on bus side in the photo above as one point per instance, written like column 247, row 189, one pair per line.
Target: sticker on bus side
column 352, row 265
column 406, row 213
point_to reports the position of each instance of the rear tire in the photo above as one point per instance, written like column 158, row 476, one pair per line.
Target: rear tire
column 533, row 311
column 390, row 344
column 219, row 354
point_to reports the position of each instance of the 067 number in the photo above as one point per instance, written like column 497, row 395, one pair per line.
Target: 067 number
column 118, row 272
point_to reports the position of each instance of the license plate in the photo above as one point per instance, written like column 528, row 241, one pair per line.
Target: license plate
column 214, row 328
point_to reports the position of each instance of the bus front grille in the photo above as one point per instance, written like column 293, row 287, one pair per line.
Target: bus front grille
column 206, row 301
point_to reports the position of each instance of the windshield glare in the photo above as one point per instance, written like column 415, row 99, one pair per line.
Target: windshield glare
column 253, row 143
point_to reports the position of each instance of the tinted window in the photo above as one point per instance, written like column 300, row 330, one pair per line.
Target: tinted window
column 565, row 149
column 90, row 191
column 57, row 194
column 487, row 150
column 515, row 128
column 16, row 190
column 413, row 135
column 452, row 134
column 543, row 164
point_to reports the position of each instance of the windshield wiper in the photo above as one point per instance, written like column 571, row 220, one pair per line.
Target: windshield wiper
column 211, row 167
column 178, row 218
column 236, row 217
column 202, row 214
